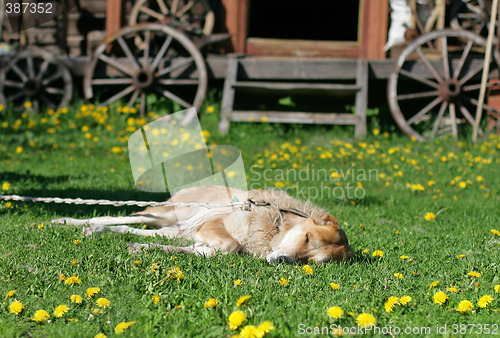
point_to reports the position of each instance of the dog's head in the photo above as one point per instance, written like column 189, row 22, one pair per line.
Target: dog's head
column 308, row 241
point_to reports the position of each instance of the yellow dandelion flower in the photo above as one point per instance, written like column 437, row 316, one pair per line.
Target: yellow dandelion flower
column 405, row 300
column 391, row 303
column 210, row 109
column 497, row 288
column 249, row 331
column 434, row 284
column 264, row 328
column 236, row 318
column 156, row 299
column 61, row 310
column 76, row 299
column 61, row 277
column 41, row 316
column 474, row 274
column 496, row 232
column 5, row 186
column 16, row 307
column 242, row 300
column 211, row 303
column 334, row 286
column 440, row 298
column 40, row 226
column 123, row 326
column 76, row 242
column 452, row 289
column 429, row 216
column 238, row 282
column 460, row 256
column 175, row 273
column 103, row 302
column 378, row 253
column 335, row 312
column 92, row 291
column 366, row 320
column 404, row 257
column 465, row 306
column 485, row 300
column 100, row 335
column 10, row 293
column 19, row 150
column 72, row 280
column 283, row 281
column 398, row 275
column 462, row 185
column 307, row 269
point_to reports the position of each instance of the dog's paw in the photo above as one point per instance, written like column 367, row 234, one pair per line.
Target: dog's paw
column 63, row 220
column 136, row 248
column 93, row 229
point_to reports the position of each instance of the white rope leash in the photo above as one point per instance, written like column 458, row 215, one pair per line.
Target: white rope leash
column 79, row 201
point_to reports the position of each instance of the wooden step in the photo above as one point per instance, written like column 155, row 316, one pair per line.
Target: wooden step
column 294, row 117
column 297, row 88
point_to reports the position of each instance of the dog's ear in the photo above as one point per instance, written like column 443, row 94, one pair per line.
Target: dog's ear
column 330, row 219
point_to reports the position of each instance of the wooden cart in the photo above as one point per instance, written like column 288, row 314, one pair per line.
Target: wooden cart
column 298, row 52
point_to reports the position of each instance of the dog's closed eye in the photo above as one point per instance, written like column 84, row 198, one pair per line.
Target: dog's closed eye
column 307, row 239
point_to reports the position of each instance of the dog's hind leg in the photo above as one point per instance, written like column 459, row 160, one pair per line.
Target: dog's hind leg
column 169, row 232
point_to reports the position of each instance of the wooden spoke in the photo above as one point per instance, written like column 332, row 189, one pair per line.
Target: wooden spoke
column 174, row 7
column 417, row 95
column 175, row 66
column 453, row 117
column 143, row 103
column 470, row 75
column 437, row 123
column 468, row 116
column 147, row 42
column 477, row 86
column 51, row 79
column 424, row 111
column 151, row 13
column 43, row 68
column 174, row 82
column 15, row 96
column 173, row 97
column 20, row 73
column 14, row 84
column 127, row 52
column 446, row 61
column 31, row 67
column 112, row 81
column 186, row 8
column 115, row 64
column 461, row 62
column 161, row 53
column 163, row 8
column 53, row 90
column 419, row 78
column 118, row 95
column 133, row 98
column 428, row 64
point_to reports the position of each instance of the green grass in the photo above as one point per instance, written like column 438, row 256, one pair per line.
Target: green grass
column 77, row 154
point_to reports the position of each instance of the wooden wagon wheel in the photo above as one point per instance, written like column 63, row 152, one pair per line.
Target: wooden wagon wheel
column 436, row 81
column 471, row 15
column 169, row 65
column 36, row 76
column 192, row 15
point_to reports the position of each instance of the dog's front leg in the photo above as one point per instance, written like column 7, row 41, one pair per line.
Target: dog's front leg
column 198, row 250
column 169, row 232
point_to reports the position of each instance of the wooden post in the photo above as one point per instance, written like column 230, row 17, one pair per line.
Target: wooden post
column 374, row 18
column 236, row 23
column 114, row 15
column 486, row 69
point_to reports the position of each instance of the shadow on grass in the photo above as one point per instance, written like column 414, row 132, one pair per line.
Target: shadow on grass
column 361, row 258
column 25, row 183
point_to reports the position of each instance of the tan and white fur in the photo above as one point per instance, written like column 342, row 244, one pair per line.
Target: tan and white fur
column 275, row 232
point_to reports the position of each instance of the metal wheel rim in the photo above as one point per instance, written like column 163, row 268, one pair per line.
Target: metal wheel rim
column 169, row 33
column 392, row 87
